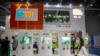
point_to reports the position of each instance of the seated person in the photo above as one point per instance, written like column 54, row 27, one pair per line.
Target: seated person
column 35, row 46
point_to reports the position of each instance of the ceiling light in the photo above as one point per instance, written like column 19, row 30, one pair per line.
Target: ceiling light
column 70, row 5
column 91, row 5
column 27, row 2
column 49, row 15
column 80, row 5
column 58, row 5
column 46, row 4
column 18, row 5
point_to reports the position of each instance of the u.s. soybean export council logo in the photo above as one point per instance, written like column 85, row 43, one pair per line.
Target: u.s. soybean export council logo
column 26, row 14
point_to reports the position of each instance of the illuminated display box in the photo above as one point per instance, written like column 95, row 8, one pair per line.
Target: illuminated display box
column 65, row 40
column 25, row 40
column 45, row 40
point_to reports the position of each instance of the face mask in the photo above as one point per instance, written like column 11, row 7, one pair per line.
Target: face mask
column 77, row 41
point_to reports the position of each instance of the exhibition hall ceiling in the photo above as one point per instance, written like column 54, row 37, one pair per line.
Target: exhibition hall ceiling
column 92, row 7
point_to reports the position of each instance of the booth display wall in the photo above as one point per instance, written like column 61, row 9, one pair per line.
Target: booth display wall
column 76, row 24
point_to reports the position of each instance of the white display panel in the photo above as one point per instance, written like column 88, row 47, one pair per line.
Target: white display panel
column 25, row 40
column 45, row 40
column 25, row 44
column 65, row 40
column 45, row 44
column 64, row 44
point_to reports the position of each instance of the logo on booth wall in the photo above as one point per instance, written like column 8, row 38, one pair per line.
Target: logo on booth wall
column 20, row 14
column 77, row 13
column 26, row 14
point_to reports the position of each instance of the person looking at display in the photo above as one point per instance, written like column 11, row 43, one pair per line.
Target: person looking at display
column 14, row 43
column 73, row 40
column 35, row 48
column 54, row 47
column 5, row 46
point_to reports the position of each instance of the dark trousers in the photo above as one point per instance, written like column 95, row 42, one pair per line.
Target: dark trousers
column 72, row 50
column 4, row 52
column 14, row 48
column 53, row 50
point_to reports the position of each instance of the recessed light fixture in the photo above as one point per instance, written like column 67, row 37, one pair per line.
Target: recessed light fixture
column 49, row 15
column 58, row 5
column 27, row 2
column 80, row 5
column 46, row 4
column 91, row 5
column 70, row 5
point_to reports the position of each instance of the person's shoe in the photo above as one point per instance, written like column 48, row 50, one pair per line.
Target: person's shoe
column 75, row 55
column 13, row 55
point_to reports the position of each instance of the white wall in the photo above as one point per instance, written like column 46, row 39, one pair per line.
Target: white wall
column 75, row 24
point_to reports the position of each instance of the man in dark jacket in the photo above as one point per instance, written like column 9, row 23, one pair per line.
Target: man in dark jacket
column 73, row 40
column 35, row 46
column 5, row 46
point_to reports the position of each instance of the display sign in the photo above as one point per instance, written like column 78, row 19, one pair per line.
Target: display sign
column 26, row 14
column 65, row 40
column 45, row 40
column 77, row 11
column 25, row 40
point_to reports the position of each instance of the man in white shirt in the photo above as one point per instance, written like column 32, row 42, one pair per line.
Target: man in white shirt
column 14, row 45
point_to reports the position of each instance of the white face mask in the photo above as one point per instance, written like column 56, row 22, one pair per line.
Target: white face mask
column 77, row 41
